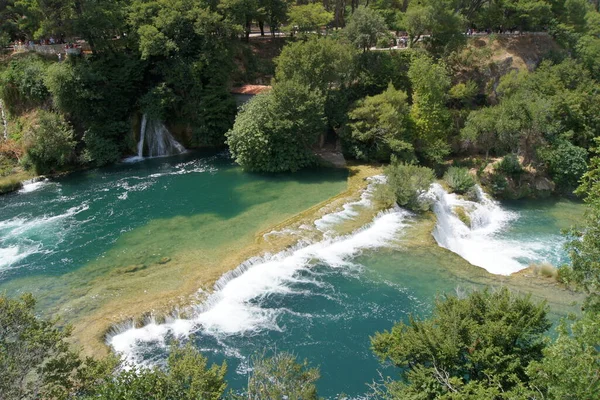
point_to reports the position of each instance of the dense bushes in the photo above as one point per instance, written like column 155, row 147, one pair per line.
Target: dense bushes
column 49, row 142
column 459, row 179
column 380, row 126
column 22, row 83
column 274, row 131
column 566, row 164
column 409, row 183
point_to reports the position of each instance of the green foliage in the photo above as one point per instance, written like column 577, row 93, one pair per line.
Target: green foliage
column 474, row 347
column 430, row 84
column 187, row 376
column 409, row 183
column 509, row 165
column 282, row 377
column 566, row 164
column 365, row 27
column 584, row 244
column 380, row 126
column 569, row 369
column 459, row 179
column 274, row 132
column 99, row 95
column 49, row 142
column 22, row 84
column 308, row 18
column 439, row 19
column 317, row 63
column 480, row 129
column 35, row 357
column 373, row 71
column 190, row 50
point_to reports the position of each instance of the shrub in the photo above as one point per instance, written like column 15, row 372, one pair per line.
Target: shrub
column 459, row 179
column 49, row 143
column 22, row 83
column 409, row 183
column 510, row 165
column 566, row 164
column 384, row 196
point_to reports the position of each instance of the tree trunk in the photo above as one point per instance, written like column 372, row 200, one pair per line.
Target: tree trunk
column 261, row 25
column 248, row 29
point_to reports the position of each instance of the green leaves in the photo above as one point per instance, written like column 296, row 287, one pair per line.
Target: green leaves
column 409, row 183
column 478, row 344
column 274, row 131
column 365, row 27
column 380, row 126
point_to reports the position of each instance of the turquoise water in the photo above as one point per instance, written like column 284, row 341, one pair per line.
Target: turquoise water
column 321, row 300
column 138, row 213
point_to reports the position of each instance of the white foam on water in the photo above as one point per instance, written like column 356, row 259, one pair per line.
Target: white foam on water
column 350, row 210
column 234, row 307
column 33, row 185
column 11, row 255
column 20, row 237
column 479, row 244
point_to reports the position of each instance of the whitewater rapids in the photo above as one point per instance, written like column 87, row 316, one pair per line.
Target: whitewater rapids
column 231, row 309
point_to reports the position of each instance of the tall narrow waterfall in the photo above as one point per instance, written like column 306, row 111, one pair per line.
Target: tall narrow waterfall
column 471, row 229
column 157, row 139
column 142, row 136
column 4, row 122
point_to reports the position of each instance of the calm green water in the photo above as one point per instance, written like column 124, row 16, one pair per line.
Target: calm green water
column 320, row 300
column 57, row 236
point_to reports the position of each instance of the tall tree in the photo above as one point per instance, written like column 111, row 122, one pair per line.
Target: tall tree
column 430, row 84
column 365, row 27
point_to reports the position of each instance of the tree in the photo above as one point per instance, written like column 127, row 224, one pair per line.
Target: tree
column 274, row 12
column 380, row 126
column 365, row 27
column 569, row 369
column 566, row 164
column 36, row 358
column 282, row 377
column 321, row 64
column 480, row 129
column 187, row 377
column 308, row 18
column 430, row 83
column 189, row 48
column 441, row 19
column 240, row 12
column 317, row 63
column 49, row 143
column 409, row 183
column 274, row 131
column 584, row 246
column 474, row 347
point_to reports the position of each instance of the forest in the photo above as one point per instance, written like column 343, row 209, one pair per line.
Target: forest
column 437, row 103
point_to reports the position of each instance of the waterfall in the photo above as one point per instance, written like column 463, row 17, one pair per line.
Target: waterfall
column 4, row 122
column 158, row 140
column 471, row 229
column 142, row 135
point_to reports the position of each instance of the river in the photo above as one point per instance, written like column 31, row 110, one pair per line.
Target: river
column 132, row 233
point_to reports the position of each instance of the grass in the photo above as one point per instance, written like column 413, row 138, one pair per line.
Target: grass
column 13, row 182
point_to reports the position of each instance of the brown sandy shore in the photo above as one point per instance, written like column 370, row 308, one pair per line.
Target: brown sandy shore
column 135, row 292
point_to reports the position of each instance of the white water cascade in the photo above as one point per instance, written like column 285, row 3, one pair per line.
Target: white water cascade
column 157, row 139
column 4, row 122
column 232, row 308
column 478, row 243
